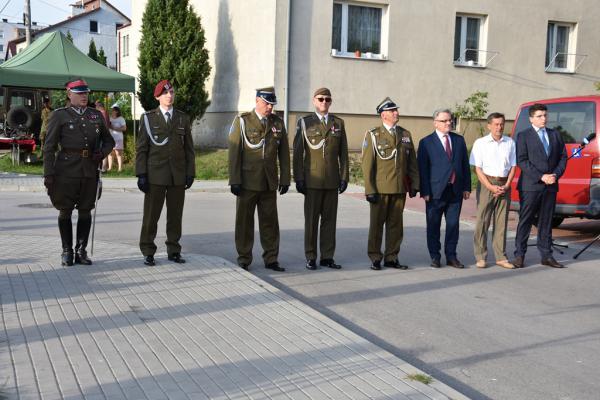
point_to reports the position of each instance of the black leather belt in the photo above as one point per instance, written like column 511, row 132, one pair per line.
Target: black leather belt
column 497, row 178
column 85, row 153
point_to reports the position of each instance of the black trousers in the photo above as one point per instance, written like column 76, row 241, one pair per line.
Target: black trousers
column 535, row 205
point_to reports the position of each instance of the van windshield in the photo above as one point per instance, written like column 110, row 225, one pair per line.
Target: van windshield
column 574, row 120
column 22, row 98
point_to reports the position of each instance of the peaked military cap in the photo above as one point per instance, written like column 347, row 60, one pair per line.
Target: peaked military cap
column 77, row 86
column 322, row 91
column 386, row 105
column 267, row 94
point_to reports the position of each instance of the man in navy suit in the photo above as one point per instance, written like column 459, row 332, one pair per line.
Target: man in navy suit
column 445, row 178
column 542, row 157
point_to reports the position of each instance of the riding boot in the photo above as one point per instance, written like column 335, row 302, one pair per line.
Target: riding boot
column 66, row 236
column 83, row 232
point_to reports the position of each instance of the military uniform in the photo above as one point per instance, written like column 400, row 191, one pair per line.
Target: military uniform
column 321, row 162
column 253, row 153
column 390, row 170
column 72, row 139
column 165, row 155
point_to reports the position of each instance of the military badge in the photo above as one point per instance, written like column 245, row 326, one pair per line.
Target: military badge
column 405, row 139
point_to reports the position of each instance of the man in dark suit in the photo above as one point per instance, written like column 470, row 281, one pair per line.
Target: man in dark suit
column 542, row 157
column 445, row 180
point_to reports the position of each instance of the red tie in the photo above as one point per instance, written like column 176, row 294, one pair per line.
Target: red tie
column 449, row 154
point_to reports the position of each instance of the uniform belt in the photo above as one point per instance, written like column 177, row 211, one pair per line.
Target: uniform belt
column 497, row 178
column 85, row 153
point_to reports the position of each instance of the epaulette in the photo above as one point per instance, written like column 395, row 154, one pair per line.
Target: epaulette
column 60, row 108
column 245, row 114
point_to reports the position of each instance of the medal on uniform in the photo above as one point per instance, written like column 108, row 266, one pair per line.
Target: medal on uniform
column 155, row 137
column 70, row 126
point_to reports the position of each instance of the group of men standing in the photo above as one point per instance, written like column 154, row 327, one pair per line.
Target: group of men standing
column 259, row 167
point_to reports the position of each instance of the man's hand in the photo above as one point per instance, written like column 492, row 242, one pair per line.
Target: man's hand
column 412, row 193
column 97, row 156
column 466, row 195
column 49, row 183
column 236, row 190
column 343, row 186
column 301, row 187
column 143, row 183
column 549, row 179
column 283, row 189
column 373, row 198
column 189, row 180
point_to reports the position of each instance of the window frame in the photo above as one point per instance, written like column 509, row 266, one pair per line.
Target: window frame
column 383, row 41
column 125, row 45
column 481, row 39
column 97, row 26
column 571, row 51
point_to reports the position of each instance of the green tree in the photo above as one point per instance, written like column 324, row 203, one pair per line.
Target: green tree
column 69, row 36
column 473, row 109
column 597, row 84
column 172, row 47
column 92, row 52
column 101, row 57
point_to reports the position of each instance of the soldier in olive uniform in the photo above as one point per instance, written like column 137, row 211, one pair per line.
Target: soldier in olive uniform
column 82, row 140
column 257, row 139
column 165, row 167
column 390, row 169
column 320, row 172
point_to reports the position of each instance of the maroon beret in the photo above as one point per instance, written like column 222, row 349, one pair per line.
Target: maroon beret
column 161, row 87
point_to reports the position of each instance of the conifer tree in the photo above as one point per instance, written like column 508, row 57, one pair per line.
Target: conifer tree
column 69, row 36
column 92, row 52
column 101, row 57
column 172, row 47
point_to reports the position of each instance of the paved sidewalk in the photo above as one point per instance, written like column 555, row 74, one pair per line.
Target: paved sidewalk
column 202, row 330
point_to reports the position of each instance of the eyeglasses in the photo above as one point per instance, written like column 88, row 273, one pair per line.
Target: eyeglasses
column 540, row 116
column 324, row 99
column 443, row 121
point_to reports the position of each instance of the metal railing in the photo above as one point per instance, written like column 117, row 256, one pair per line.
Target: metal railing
column 551, row 67
column 462, row 60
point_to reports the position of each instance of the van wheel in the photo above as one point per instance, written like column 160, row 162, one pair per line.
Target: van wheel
column 556, row 221
column 20, row 116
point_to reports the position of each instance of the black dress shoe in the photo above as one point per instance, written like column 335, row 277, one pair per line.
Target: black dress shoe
column 149, row 260
column 311, row 264
column 244, row 266
column 329, row 263
column 435, row 263
column 176, row 257
column 275, row 267
column 82, row 258
column 551, row 262
column 394, row 264
column 66, row 258
column 376, row 265
column 518, row 262
column 455, row 263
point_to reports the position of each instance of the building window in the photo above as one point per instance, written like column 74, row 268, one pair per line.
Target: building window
column 357, row 29
column 1, row 49
column 125, row 45
column 469, row 40
column 558, row 47
column 93, row 26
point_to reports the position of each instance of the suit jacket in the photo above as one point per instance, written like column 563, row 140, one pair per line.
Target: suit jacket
column 533, row 161
column 252, row 165
column 171, row 163
column 435, row 168
column 397, row 174
column 321, row 168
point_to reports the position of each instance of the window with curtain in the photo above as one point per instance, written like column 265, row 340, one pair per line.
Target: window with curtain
column 356, row 27
column 467, row 39
column 557, row 46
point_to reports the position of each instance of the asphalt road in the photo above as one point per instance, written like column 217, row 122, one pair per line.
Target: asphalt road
column 492, row 334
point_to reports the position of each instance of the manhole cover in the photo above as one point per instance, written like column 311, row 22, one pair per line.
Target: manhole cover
column 37, row 205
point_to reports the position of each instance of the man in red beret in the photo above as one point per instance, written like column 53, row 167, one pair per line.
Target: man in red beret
column 80, row 135
column 165, row 167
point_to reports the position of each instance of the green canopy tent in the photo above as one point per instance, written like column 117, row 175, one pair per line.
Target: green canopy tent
column 52, row 60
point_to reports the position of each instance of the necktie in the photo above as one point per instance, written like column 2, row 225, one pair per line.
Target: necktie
column 323, row 121
column 449, row 154
column 263, row 122
column 545, row 141
column 168, row 115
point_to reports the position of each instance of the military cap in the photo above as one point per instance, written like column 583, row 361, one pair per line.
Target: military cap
column 386, row 105
column 323, row 92
column 161, row 87
column 78, row 86
column 267, row 94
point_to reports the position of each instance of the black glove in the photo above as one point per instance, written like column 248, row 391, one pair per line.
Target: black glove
column 236, row 190
column 143, row 183
column 283, row 189
column 373, row 198
column 301, row 187
column 49, row 183
column 189, row 180
column 412, row 193
column 97, row 156
column 343, row 186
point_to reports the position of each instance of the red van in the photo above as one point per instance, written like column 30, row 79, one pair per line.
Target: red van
column 576, row 118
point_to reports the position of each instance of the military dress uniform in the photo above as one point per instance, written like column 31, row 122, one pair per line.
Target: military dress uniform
column 321, row 162
column 390, row 171
column 254, row 149
column 76, row 140
column 165, row 155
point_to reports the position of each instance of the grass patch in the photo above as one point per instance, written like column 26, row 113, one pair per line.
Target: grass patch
column 425, row 379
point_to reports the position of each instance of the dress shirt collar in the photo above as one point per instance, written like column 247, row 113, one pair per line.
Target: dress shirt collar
column 536, row 129
column 490, row 138
column 326, row 116
column 260, row 117
column 441, row 135
column 163, row 111
column 389, row 128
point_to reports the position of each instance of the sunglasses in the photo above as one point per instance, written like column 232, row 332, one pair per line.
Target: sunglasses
column 324, row 99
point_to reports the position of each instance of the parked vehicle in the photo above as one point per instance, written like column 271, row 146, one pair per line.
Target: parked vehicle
column 576, row 118
column 20, row 111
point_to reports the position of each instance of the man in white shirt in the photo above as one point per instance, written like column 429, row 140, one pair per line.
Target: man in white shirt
column 494, row 159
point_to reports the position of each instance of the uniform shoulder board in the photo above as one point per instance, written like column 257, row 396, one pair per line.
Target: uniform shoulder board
column 373, row 130
column 60, row 108
column 245, row 114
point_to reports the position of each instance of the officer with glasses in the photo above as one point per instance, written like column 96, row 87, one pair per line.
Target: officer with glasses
column 321, row 173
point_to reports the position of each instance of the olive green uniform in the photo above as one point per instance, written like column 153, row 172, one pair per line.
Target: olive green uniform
column 166, row 157
column 253, row 154
column 321, row 161
column 390, row 169
column 45, row 116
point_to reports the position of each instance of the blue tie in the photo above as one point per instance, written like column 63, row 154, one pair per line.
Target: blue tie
column 545, row 141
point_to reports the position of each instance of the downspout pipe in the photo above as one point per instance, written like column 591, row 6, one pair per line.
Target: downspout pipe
column 287, row 66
